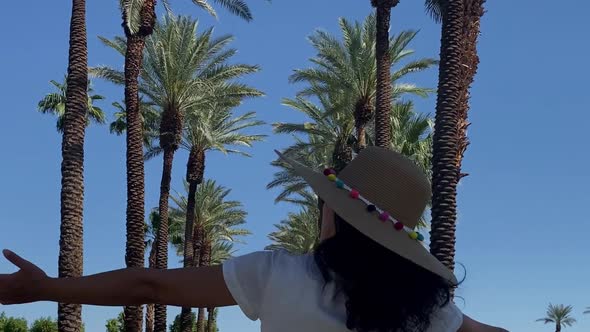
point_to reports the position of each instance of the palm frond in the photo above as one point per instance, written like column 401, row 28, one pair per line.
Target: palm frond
column 131, row 10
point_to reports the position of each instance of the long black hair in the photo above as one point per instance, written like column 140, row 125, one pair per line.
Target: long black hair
column 384, row 292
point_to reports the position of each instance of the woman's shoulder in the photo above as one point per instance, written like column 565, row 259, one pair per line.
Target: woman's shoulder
column 273, row 259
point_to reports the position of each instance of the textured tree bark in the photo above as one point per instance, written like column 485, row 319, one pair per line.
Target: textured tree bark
column 72, row 167
column 194, row 176
column 445, row 141
column 135, row 246
column 382, row 118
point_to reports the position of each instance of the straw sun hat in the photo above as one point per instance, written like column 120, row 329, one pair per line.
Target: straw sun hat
column 383, row 195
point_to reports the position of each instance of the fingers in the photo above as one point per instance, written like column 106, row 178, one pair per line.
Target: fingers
column 16, row 259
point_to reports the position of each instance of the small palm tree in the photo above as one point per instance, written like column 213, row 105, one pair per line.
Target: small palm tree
column 349, row 65
column 55, row 103
column 560, row 315
column 299, row 233
column 216, row 226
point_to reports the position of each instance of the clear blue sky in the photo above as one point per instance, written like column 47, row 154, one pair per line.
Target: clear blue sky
column 522, row 217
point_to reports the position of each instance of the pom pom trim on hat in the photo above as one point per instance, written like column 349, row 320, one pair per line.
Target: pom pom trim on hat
column 382, row 215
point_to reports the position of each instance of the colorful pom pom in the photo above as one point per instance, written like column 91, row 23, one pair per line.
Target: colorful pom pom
column 339, row 184
column 371, row 208
column 398, row 226
column 332, row 177
column 329, row 171
column 413, row 235
column 354, row 194
column 384, row 216
column 420, row 237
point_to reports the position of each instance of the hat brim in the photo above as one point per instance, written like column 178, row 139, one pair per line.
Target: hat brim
column 355, row 213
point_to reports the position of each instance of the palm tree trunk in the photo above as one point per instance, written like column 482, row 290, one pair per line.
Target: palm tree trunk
column 445, row 147
column 72, row 167
column 149, row 315
column 382, row 119
column 205, row 260
column 135, row 246
column 162, row 238
column 211, row 319
column 200, row 320
column 557, row 327
column 342, row 154
column 363, row 113
column 195, row 169
column 473, row 11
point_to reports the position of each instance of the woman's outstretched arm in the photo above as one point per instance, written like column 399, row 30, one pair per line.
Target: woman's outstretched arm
column 190, row 287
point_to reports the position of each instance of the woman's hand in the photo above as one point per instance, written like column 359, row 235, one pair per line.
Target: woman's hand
column 23, row 286
column 190, row 287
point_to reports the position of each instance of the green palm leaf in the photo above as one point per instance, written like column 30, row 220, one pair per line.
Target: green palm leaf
column 55, row 103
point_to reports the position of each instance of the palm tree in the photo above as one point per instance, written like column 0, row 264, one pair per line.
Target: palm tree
column 560, row 315
column 349, row 65
column 72, row 175
column 45, row 324
column 298, row 234
column 215, row 227
column 179, row 70
column 116, row 324
column 55, row 103
column 445, row 175
column 211, row 126
column 382, row 125
column 151, row 232
column 411, row 135
column 139, row 18
column 443, row 230
column 330, row 133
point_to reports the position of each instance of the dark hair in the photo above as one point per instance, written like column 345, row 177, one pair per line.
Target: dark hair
column 383, row 291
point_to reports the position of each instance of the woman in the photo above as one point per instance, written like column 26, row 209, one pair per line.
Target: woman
column 370, row 272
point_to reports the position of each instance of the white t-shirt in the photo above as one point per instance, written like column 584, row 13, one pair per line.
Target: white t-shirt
column 287, row 294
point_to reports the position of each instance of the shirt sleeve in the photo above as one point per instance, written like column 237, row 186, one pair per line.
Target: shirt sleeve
column 247, row 278
column 448, row 318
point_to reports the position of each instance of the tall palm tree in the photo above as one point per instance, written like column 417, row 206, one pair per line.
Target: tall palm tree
column 560, row 315
column 139, row 18
column 211, row 127
column 215, row 227
column 72, row 174
column 55, row 103
column 445, row 175
column 179, row 68
column 349, row 65
column 382, row 125
column 459, row 62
